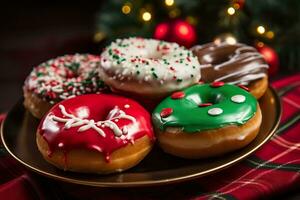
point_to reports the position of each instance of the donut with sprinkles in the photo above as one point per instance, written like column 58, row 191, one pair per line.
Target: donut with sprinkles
column 207, row 120
column 61, row 78
column 148, row 68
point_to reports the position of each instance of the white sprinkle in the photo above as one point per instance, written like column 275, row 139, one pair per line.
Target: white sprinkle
column 238, row 98
column 127, row 106
column 215, row 111
column 125, row 130
column 60, row 144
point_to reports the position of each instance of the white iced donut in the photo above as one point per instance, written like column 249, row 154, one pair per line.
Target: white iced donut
column 148, row 68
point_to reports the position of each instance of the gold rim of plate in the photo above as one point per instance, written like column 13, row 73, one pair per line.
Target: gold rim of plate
column 151, row 178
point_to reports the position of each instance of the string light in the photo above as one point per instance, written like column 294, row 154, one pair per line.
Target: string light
column 230, row 11
column 261, row 30
column 174, row 13
column 99, row 36
column 126, row 8
column 260, row 44
column 227, row 39
column 270, row 34
column 146, row 16
column 191, row 20
column 169, row 2
column 236, row 6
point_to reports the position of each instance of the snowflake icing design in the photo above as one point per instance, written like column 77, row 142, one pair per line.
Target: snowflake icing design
column 85, row 124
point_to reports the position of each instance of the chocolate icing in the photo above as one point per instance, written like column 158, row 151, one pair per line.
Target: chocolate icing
column 235, row 64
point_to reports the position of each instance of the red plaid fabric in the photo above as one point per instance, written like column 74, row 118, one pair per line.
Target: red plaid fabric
column 272, row 170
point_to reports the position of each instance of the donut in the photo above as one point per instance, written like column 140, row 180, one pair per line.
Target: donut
column 95, row 133
column 147, row 68
column 207, row 120
column 235, row 64
column 61, row 78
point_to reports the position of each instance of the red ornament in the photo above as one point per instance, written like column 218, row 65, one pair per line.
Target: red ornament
column 217, row 84
column 205, row 104
column 178, row 95
column 240, row 3
column 161, row 31
column 271, row 57
column 166, row 112
column 179, row 31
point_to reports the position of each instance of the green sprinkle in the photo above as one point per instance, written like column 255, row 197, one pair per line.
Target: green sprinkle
column 73, row 66
column 115, row 56
column 137, row 72
column 192, row 75
column 154, row 75
column 39, row 74
column 179, row 80
column 136, row 66
column 152, row 69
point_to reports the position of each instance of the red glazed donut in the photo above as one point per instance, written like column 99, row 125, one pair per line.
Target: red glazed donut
column 95, row 133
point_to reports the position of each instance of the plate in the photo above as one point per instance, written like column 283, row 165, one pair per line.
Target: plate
column 18, row 137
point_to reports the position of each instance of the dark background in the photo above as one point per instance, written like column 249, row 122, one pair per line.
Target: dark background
column 34, row 31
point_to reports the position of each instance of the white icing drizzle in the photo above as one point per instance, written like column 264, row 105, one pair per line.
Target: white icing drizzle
column 239, row 56
column 238, row 98
column 215, row 111
column 85, row 124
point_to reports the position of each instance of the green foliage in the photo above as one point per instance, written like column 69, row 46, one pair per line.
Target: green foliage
column 278, row 16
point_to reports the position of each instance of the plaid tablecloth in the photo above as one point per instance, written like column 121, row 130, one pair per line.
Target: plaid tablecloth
column 272, row 170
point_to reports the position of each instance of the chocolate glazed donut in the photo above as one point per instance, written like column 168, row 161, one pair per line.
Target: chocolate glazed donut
column 235, row 64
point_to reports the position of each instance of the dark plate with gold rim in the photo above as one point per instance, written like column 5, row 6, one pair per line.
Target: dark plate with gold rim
column 18, row 136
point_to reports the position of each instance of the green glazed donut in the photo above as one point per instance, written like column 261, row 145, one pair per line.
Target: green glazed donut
column 204, row 107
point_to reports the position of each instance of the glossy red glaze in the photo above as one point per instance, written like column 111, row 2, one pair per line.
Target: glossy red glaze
column 244, row 87
column 166, row 112
column 96, row 107
column 205, row 104
column 178, row 95
column 217, row 84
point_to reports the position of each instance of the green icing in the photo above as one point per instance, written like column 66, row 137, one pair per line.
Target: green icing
column 192, row 118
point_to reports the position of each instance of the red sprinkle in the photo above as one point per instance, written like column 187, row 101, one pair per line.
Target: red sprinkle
column 205, row 104
column 172, row 68
column 166, row 112
column 53, row 83
column 200, row 82
column 178, row 95
column 244, row 87
column 165, row 47
column 116, row 51
column 217, row 84
column 51, row 94
column 188, row 59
